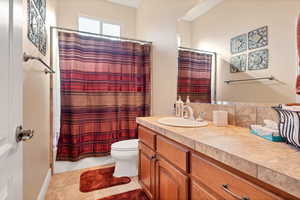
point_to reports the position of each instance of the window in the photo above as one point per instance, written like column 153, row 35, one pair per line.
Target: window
column 89, row 25
column 111, row 29
column 96, row 26
column 178, row 40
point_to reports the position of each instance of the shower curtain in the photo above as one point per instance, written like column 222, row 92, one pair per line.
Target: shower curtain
column 194, row 76
column 105, row 85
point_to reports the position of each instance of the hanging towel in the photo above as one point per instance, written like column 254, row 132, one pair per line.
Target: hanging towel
column 298, row 45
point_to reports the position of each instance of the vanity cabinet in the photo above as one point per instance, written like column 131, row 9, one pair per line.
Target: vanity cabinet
column 172, row 171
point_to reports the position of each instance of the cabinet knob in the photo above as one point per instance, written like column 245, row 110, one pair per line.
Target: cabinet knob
column 153, row 157
column 225, row 187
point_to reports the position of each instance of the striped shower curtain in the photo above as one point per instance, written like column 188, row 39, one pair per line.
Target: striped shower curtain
column 105, row 85
column 194, row 76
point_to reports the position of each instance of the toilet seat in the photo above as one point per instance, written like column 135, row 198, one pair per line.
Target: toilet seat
column 126, row 145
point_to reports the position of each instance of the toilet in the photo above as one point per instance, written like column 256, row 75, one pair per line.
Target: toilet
column 125, row 154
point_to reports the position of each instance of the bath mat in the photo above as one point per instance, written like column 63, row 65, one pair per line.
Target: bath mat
column 100, row 178
column 131, row 195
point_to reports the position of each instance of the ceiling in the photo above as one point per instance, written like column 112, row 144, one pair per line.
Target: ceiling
column 201, row 8
column 130, row 3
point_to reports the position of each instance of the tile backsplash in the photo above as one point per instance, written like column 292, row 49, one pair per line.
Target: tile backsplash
column 239, row 114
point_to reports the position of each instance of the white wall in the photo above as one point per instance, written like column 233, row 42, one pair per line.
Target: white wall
column 156, row 21
column 70, row 10
column 214, row 30
column 184, row 30
column 36, row 111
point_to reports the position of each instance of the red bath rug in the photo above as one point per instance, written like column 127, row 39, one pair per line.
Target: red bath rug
column 100, row 178
column 131, row 195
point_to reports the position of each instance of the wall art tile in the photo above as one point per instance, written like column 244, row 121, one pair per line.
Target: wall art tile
column 238, row 63
column 258, row 38
column 238, row 44
column 258, row 59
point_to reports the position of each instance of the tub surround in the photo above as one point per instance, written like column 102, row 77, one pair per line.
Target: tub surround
column 277, row 164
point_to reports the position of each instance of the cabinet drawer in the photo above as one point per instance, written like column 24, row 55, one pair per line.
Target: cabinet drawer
column 147, row 137
column 225, row 183
column 199, row 192
column 176, row 154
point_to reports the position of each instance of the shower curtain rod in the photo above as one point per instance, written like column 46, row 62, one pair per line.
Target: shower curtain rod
column 197, row 50
column 98, row 34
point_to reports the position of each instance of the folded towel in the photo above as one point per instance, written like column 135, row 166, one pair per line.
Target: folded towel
column 261, row 130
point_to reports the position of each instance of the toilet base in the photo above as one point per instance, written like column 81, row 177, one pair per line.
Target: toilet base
column 126, row 168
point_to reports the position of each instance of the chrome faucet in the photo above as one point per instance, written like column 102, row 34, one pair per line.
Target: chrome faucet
column 188, row 112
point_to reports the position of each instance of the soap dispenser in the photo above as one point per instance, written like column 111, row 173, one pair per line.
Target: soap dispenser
column 188, row 100
column 177, row 108
column 180, row 105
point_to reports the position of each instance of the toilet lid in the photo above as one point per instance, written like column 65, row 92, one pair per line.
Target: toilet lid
column 126, row 145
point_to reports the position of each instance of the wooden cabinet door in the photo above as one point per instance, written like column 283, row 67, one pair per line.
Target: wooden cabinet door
column 170, row 182
column 147, row 169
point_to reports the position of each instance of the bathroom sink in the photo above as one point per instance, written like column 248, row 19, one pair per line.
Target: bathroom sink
column 180, row 122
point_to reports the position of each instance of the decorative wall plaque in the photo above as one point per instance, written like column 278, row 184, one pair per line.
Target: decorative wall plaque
column 238, row 63
column 258, row 59
column 41, row 7
column 258, row 38
column 238, row 44
column 37, row 32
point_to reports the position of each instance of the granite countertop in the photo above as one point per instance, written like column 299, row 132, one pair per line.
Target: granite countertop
column 277, row 164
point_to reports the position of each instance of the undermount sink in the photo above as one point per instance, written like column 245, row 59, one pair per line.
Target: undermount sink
column 181, row 122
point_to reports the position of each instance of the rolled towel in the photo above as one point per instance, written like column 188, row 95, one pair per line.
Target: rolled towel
column 291, row 108
column 271, row 124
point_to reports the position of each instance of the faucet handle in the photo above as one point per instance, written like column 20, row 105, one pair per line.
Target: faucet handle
column 185, row 114
column 188, row 112
column 201, row 116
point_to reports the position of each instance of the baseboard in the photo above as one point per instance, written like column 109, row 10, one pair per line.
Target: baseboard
column 45, row 185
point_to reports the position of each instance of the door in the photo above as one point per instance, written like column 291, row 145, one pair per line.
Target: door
column 170, row 182
column 147, row 169
column 10, row 99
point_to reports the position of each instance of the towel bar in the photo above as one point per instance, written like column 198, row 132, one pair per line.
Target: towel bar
column 250, row 79
column 28, row 57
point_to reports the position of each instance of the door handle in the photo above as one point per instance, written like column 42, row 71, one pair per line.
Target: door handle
column 23, row 134
column 225, row 187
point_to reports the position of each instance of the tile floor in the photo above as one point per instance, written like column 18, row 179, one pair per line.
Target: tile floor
column 65, row 186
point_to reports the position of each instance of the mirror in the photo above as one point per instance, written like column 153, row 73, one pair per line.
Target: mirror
column 196, row 75
column 238, row 51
